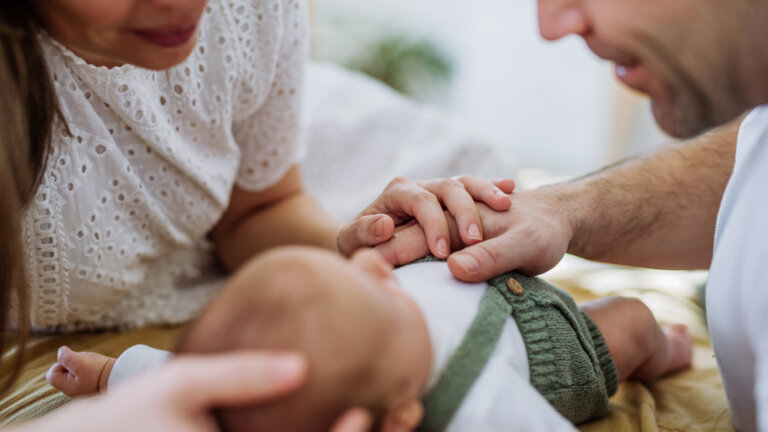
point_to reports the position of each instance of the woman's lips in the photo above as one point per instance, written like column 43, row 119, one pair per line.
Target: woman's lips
column 167, row 38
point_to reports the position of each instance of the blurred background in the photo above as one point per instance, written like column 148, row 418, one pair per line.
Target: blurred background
column 554, row 108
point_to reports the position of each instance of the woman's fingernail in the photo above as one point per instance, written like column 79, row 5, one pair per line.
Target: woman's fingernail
column 474, row 232
column 380, row 227
column 467, row 262
column 442, row 248
column 499, row 193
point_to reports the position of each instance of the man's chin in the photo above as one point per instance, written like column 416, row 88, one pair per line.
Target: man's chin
column 689, row 119
column 680, row 122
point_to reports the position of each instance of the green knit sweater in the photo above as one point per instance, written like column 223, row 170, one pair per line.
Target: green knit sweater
column 570, row 364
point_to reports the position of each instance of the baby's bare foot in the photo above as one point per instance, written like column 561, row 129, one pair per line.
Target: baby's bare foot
column 80, row 373
column 680, row 346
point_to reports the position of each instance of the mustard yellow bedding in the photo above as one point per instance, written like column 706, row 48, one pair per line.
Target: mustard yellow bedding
column 32, row 396
column 692, row 400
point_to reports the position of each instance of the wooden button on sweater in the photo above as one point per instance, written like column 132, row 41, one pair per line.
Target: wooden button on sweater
column 514, row 286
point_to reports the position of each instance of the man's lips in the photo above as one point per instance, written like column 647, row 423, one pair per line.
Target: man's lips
column 635, row 76
column 628, row 68
column 607, row 52
column 167, row 38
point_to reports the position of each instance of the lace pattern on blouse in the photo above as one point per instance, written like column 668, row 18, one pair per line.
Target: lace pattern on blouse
column 116, row 234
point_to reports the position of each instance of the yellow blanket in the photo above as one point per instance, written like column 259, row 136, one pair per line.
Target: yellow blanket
column 692, row 400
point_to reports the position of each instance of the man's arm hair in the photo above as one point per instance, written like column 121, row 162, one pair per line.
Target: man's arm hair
column 658, row 210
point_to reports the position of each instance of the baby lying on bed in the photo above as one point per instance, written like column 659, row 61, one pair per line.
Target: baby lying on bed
column 411, row 342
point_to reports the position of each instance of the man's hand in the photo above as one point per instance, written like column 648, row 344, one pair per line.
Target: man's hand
column 404, row 201
column 532, row 236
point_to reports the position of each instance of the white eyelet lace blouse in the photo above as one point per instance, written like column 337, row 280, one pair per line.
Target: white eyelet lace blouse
column 115, row 236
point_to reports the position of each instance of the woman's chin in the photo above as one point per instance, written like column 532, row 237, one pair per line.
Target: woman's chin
column 151, row 56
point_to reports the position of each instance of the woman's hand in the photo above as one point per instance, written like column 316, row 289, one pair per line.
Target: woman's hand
column 180, row 395
column 404, row 200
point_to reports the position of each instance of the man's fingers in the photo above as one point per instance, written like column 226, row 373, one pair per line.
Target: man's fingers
column 365, row 231
column 484, row 260
column 201, row 382
column 516, row 250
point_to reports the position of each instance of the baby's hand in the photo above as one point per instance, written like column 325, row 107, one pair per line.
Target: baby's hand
column 80, row 373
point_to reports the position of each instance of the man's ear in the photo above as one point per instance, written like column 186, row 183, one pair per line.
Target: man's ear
column 403, row 418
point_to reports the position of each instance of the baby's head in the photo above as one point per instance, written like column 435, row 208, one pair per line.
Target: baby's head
column 365, row 340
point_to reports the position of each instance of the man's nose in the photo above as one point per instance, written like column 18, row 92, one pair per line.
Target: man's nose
column 558, row 18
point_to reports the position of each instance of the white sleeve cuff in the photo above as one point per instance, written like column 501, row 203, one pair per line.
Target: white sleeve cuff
column 135, row 360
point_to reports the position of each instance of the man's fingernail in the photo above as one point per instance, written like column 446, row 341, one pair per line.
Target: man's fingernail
column 467, row 262
column 442, row 248
column 474, row 232
column 380, row 227
column 499, row 193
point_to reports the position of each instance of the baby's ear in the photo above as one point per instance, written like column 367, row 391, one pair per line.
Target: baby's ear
column 403, row 418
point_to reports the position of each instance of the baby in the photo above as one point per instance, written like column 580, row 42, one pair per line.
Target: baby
column 414, row 346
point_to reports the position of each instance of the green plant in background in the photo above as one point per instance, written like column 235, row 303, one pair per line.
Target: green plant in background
column 413, row 67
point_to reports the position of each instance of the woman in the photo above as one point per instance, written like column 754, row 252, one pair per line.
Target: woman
column 139, row 131
column 176, row 398
column 177, row 143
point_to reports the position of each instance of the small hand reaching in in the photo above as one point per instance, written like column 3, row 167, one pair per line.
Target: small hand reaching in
column 80, row 373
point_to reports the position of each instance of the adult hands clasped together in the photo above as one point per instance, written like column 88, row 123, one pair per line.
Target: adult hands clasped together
column 532, row 236
column 408, row 207
column 529, row 231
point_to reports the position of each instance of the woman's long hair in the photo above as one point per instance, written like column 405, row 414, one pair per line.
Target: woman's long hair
column 27, row 112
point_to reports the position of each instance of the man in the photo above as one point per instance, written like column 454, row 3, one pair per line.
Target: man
column 702, row 63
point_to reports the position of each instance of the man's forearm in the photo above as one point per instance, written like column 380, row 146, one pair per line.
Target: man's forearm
column 658, row 210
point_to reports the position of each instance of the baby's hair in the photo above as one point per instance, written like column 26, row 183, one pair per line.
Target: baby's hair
column 279, row 305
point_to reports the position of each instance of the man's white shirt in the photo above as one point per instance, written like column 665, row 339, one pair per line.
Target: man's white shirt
column 737, row 292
